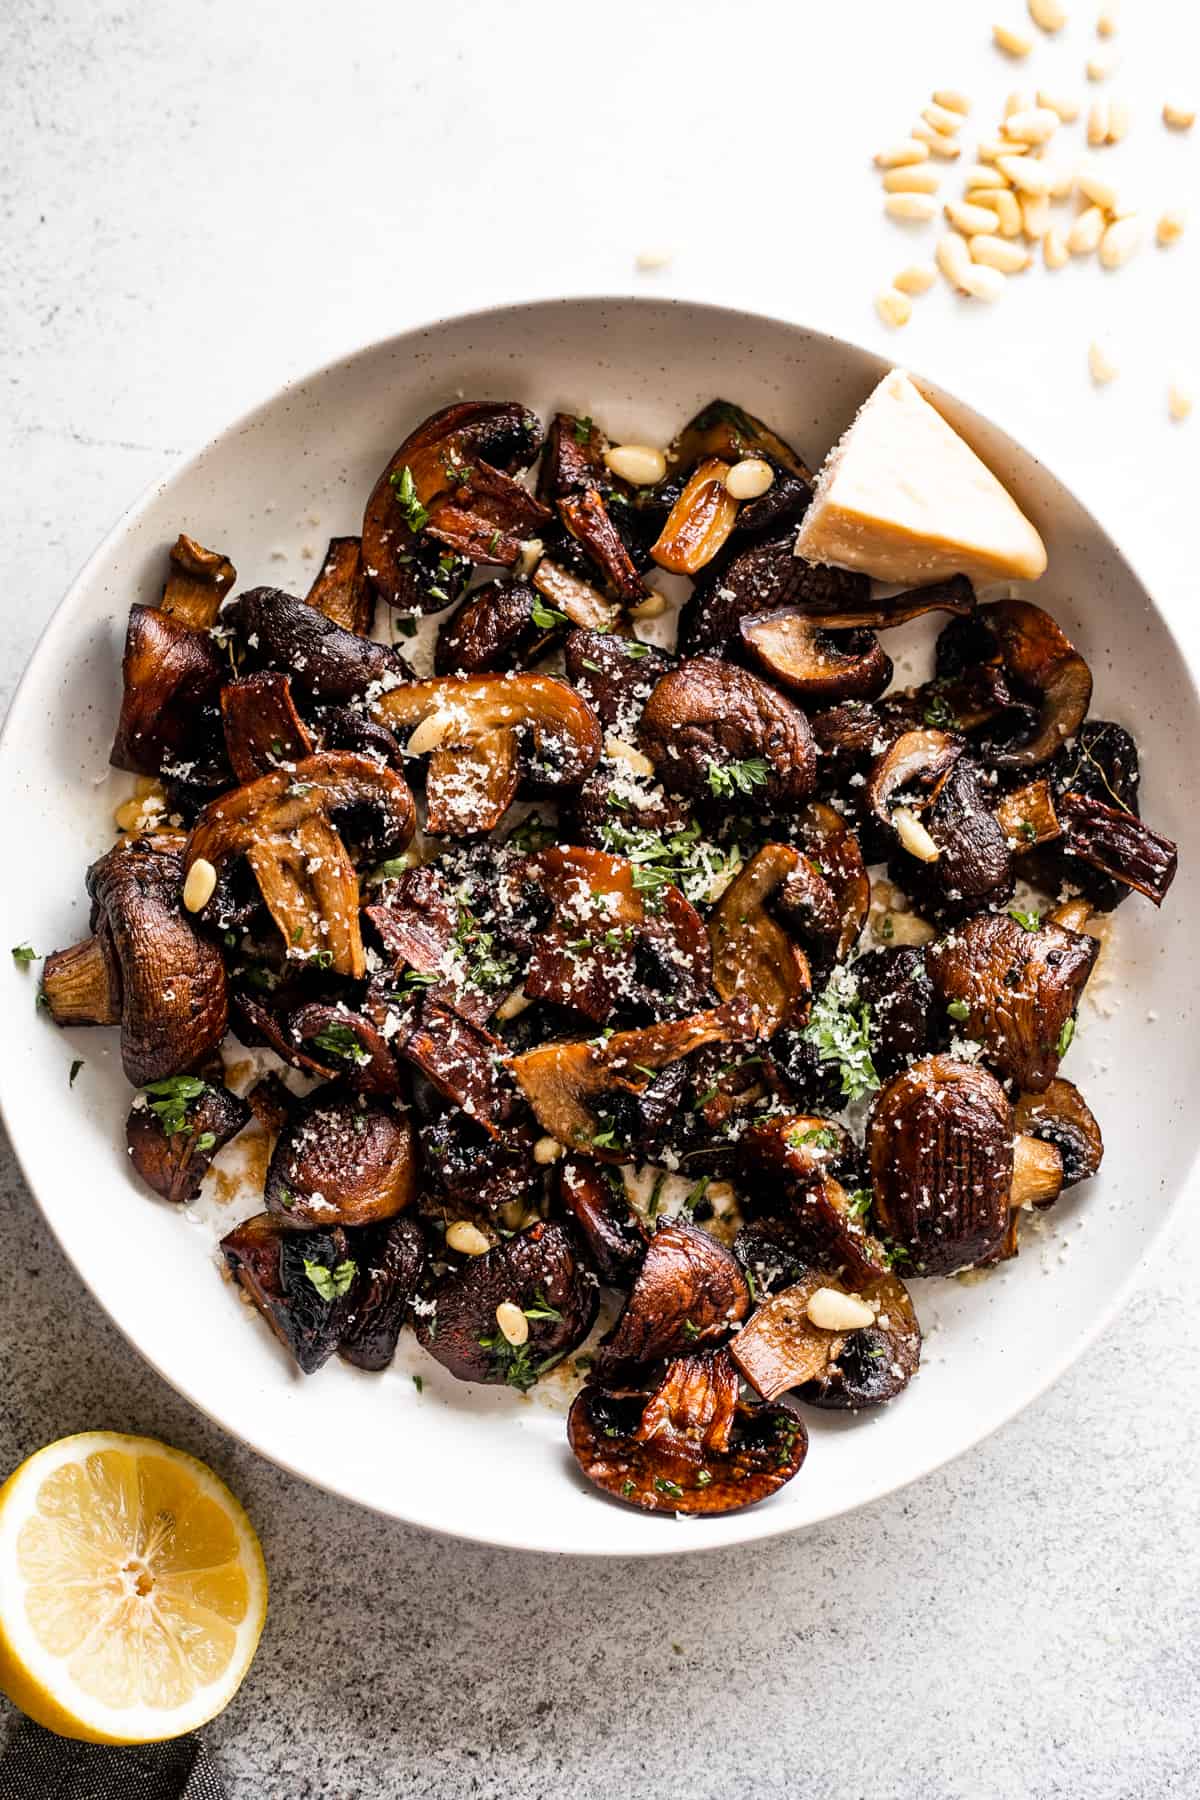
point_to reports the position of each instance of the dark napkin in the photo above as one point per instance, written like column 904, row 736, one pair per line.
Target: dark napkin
column 39, row 1766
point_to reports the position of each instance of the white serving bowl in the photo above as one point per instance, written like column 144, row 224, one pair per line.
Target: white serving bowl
column 482, row 1463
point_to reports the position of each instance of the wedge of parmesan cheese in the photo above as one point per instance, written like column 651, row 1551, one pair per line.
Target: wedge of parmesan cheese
column 904, row 499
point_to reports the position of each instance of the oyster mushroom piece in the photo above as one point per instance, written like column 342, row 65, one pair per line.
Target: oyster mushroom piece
column 1118, row 845
column 171, row 677
column 894, row 985
column 341, row 591
column 876, row 1363
column 687, row 1444
column 793, row 1163
column 940, row 1143
column 711, row 728
column 754, row 580
column 283, row 825
column 417, row 918
column 324, row 662
column 447, row 498
column 1060, row 1117
column 262, row 727
column 473, row 729
column 302, row 1282
column 782, row 1350
column 144, row 967
column 197, row 583
column 581, row 604
column 929, row 796
column 348, row 1045
column 568, row 1084
column 174, row 1161
column 808, row 659
column 539, row 1275
column 831, row 845
column 690, row 1291
column 392, row 1259
column 595, row 1197
column 573, row 458
column 586, row 517
column 753, row 953
column 726, row 430
column 341, row 1160
column 464, row 1062
column 495, row 628
column 1042, row 666
column 1014, row 985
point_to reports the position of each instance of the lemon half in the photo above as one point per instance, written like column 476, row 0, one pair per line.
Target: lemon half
column 132, row 1589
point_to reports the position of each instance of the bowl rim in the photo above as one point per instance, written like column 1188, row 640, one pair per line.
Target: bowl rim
column 763, row 1523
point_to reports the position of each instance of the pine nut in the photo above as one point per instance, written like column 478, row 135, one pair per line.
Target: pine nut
column 652, row 607
column 1101, row 66
column 894, row 308
column 917, row 278
column 1008, row 210
column 433, row 732
column 984, row 175
column 1179, row 402
column 513, row 1006
column 1032, row 127
column 952, row 100
column 1118, row 121
column 1014, row 103
column 1014, row 43
column 909, row 829
column 1035, row 217
column 942, row 118
column 1095, row 188
column 831, row 1310
column 1120, row 242
column 1047, row 14
column 1097, row 124
column 1067, row 109
column 466, row 1238
column 749, row 479
column 1100, row 363
column 513, row 1323
column 1062, row 179
column 953, row 258
column 1171, row 227
column 982, row 283
column 1106, row 24
column 638, row 464
column 969, row 219
column 1027, row 176
column 547, row 1150
column 984, row 197
column 912, row 208
column 899, row 156
column 1085, row 234
column 999, row 253
column 647, row 262
column 939, row 142
column 989, row 150
column 1055, row 254
column 916, row 178
column 620, row 751
column 1178, row 118
column 200, row 885
column 128, row 816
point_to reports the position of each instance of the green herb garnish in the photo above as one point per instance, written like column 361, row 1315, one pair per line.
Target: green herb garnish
column 671, row 1488
column 542, row 1309
column 958, row 1009
column 583, row 430
column 547, row 617
column 331, row 1284
column 1028, row 921
column 75, row 1068
column 821, row 1137
column 339, row 1040
column 170, row 1099
column 405, row 489
column 205, row 1141
column 24, row 954
column 727, row 779
column 1065, row 1037
column 839, row 1031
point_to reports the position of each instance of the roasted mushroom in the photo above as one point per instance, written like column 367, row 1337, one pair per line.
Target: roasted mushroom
column 341, row 590
column 595, row 1197
column 262, row 727
column 171, row 685
column 347, row 1044
column 586, row 517
column 753, row 952
column 571, row 598
column 1117, row 845
column 1012, row 982
column 175, row 1128
column 953, row 854
column 197, row 583
column 866, row 1359
column 391, row 1258
column 1041, row 665
column 427, row 929
column 615, row 675
column 754, row 580
column 302, row 1282
column 1060, row 1116
column 502, row 625
column 463, row 1061
column 894, row 986
column 689, row 1292
column 712, row 729
column 510, row 1314
column 833, row 848
column 324, row 662
column 819, row 665
column 144, row 967
column 792, row 1164
column 876, row 1362
column 687, row 1444
column 341, row 1160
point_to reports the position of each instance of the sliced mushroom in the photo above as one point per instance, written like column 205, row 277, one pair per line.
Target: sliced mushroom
column 699, row 522
column 615, row 675
column 540, row 1277
column 877, row 1362
column 689, row 1292
column 171, row 680
column 1014, row 985
column 574, row 1087
column 348, row 1045
column 1060, row 1117
column 496, row 627
column 447, row 497
column 894, row 985
column 302, row 1282
column 174, row 1162
column 420, row 921
column 392, row 1258
column 710, row 728
column 595, row 1197
column 262, row 727
column 144, row 965
column 792, row 1164
column 688, row 1444
column 857, row 609
column 1027, row 817
column 834, row 849
column 341, row 590
column 487, row 718
column 757, row 579
column 916, row 762
column 464, row 1062
column 1043, row 666
column 728, row 431
column 197, row 582
column 941, row 1153
column 782, row 1350
column 578, row 600
column 1118, row 845
column 753, row 953
column 284, row 827
column 954, row 854
column 323, row 662
column 807, row 659
column 342, row 1160
column 573, row 458
column 586, row 517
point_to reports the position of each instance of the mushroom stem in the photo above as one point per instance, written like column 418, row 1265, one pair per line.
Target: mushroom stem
column 82, row 986
column 1037, row 1172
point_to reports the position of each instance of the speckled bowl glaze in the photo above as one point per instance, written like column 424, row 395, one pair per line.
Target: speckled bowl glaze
column 482, row 1463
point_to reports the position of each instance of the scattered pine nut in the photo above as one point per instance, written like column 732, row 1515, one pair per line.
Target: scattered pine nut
column 999, row 253
column 917, row 278
column 1062, row 179
column 910, row 207
column 652, row 607
column 1015, row 103
column 1179, row 402
column 1085, row 234
column 952, row 100
column 1106, row 24
column 1179, row 118
column 899, row 155
column 200, row 885
column 436, row 729
column 829, row 1309
column 1047, row 14
column 647, row 262
column 749, row 479
column 547, row 1150
column 1170, row 227
column 1097, row 124
column 1101, row 66
column 1120, row 241
column 984, row 198
column 1067, row 110
column 1103, row 368
column 969, row 219
column 1026, row 175
column 1035, row 217
column 1034, row 126
column 912, row 178
column 983, row 283
column 893, row 307
column 512, row 1322
column 990, row 150
column 639, row 464
column 942, row 118
column 619, row 751
column 953, row 258
column 1055, row 254
column 466, row 1238
column 513, row 1006
column 984, row 175
column 1118, row 121
column 1096, row 188
column 1008, row 211
column 939, row 142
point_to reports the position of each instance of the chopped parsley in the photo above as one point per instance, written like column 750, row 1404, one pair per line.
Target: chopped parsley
column 703, row 1477
column 331, row 1284
column 419, row 1383
column 24, row 954
column 628, row 1487
column 820, row 1137
column 684, row 860
column 671, row 1488
column 1028, row 921
column 415, row 978
column 690, row 1332
column 695, row 1196
column 75, row 1068
column 532, row 834
column 839, row 1031
column 727, row 779
column 547, row 617
column 205, row 1141
column 405, row 489
column 958, row 1009
column 170, row 1099
column 514, row 1362
column 542, row 1309
column 486, row 967
column 939, row 715
column 634, row 649
column 583, row 429
column 859, row 1202
column 1027, row 830
column 1065, row 1037
column 339, row 1040
column 384, row 871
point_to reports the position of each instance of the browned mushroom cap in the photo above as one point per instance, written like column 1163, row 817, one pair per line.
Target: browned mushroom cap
column 956, row 855
column 711, row 728
column 689, row 1292
column 341, row 1160
column 752, row 952
column 1117, row 843
column 918, row 761
column 1061, row 1117
column 450, row 484
column 615, row 675
column 171, row 683
column 699, row 522
column 821, row 665
column 323, row 661
column 781, row 1349
column 1014, row 984
column 392, row 1259
column 901, row 1009
column 602, row 951
column 493, row 629
column 573, row 458
column 586, row 517
column 418, row 918
column 463, row 1061
column 721, row 428
column 596, row 1199
column 1027, row 816
column 468, row 1174
column 791, row 1163
column 283, row 825
column 688, row 1445
column 197, row 582
column 472, row 728
column 302, row 1282
column 144, row 965
column 174, row 1162
column 833, row 847
column 341, row 590
column 940, row 1146
column 349, row 1045
column 754, row 580
column 567, row 1085
column 262, row 726
column 539, row 1274
column 1042, row 663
